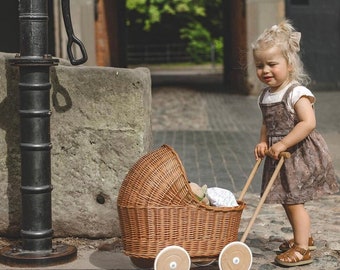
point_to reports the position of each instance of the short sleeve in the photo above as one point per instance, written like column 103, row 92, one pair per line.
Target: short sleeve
column 301, row 91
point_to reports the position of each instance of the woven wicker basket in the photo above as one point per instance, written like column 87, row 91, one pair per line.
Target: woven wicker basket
column 157, row 209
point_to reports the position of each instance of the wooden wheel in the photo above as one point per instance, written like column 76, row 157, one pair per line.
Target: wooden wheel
column 235, row 256
column 171, row 258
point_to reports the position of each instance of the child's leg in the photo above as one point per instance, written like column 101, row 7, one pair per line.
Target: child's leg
column 288, row 214
column 298, row 254
column 300, row 221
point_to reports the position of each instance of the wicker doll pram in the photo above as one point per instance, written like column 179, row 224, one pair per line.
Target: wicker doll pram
column 157, row 209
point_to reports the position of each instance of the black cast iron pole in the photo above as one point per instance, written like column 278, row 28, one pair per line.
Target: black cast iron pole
column 34, row 86
column 34, row 93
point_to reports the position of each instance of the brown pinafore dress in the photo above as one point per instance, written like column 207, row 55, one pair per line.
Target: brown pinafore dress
column 309, row 173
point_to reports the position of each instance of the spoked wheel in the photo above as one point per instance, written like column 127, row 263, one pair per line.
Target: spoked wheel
column 235, row 256
column 171, row 258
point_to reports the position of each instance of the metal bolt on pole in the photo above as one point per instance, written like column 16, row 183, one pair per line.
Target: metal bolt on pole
column 34, row 65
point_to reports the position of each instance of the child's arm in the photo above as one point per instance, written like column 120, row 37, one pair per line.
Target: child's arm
column 262, row 146
column 307, row 123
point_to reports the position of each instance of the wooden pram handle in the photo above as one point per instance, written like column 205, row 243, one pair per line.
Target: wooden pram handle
column 253, row 172
column 282, row 154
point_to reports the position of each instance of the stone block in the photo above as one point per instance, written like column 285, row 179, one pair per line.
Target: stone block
column 100, row 126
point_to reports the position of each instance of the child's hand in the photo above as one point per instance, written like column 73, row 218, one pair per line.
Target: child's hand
column 275, row 150
column 260, row 150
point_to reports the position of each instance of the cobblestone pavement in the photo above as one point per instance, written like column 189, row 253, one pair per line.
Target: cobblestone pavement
column 214, row 134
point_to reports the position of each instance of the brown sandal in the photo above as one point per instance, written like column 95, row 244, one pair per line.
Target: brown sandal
column 286, row 245
column 290, row 257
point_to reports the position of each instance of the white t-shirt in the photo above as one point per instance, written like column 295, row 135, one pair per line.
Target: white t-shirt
column 294, row 96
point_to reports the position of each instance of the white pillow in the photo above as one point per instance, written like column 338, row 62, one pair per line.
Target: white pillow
column 221, row 197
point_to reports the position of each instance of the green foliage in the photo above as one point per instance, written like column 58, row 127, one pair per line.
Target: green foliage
column 199, row 41
column 218, row 44
column 196, row 22
column 153, row 10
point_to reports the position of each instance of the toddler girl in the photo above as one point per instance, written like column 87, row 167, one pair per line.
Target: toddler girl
column 289, row 125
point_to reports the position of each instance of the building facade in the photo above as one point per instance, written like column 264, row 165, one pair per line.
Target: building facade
column 100, row 25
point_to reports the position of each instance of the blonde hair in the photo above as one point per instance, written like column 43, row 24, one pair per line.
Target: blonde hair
column 285, row 37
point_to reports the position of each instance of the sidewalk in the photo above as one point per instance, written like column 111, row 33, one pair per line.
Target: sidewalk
column 214, row 134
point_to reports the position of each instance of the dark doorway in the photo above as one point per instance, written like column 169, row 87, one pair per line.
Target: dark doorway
column 9, row 26
column 319, row 23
